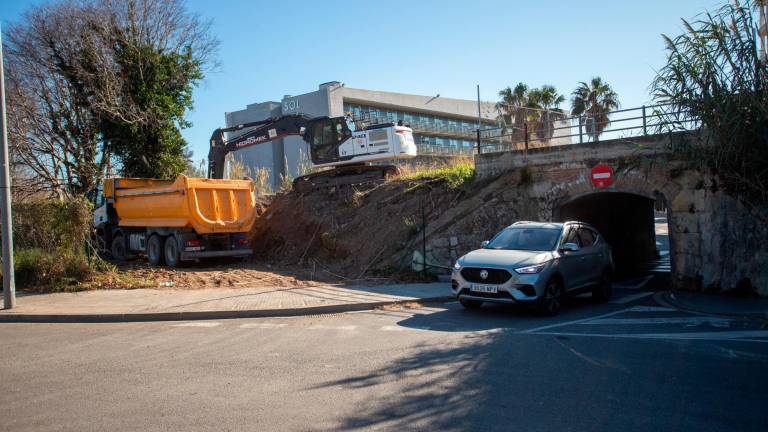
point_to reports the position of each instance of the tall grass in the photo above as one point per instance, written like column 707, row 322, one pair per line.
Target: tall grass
column 455, row 172
column 714, row 76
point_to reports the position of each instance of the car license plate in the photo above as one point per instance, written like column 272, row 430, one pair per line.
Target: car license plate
column 492, row 289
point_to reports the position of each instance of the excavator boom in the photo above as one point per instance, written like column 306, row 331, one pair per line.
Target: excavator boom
column 331, row 144
column 263, row 131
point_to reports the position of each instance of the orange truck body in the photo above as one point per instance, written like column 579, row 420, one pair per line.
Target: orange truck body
column 207, row 206
column 172, row 221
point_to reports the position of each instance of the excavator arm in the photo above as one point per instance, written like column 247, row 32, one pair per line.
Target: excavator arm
column 263, row 131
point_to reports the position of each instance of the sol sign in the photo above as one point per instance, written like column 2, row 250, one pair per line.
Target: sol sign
column 602, row 175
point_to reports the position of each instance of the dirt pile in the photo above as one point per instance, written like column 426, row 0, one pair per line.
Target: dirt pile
column 351, row 231
column 217, row 274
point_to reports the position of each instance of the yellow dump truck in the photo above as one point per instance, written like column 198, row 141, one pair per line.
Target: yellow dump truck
column 173, row 221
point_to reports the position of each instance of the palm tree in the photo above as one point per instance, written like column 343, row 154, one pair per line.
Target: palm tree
column 592, row 102
column 513, row 105
column 545, row 102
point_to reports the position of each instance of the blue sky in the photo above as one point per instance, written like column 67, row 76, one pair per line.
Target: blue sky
column 272, row 48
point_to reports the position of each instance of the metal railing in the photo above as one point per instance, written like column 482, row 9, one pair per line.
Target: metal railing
column 438, row 150
column 566, row 130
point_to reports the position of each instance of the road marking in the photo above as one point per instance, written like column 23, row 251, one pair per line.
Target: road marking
column 695, row 320
column 630, row 298
column 262, row 325
column 392, row 328
column 639, row 285
column 580, row 355
column 744, row 336
column 197, row 324
column 536, row 329
column 652, row 309
column 327, row 327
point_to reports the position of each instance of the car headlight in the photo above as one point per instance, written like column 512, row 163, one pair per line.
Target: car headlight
column 457, row 266
column 530, row 269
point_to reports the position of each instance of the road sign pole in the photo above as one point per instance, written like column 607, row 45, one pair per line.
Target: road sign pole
column 9, row 285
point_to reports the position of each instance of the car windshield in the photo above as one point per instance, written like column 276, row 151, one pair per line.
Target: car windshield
column 532, row 239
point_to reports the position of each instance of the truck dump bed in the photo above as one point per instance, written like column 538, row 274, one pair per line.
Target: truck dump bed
column 205, row 205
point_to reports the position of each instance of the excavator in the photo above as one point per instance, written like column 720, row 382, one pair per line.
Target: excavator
column 332, row 143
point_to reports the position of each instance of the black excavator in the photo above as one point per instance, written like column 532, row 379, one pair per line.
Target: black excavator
column 332, row 143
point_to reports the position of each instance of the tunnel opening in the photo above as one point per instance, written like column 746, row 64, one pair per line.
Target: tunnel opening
column 634, row 225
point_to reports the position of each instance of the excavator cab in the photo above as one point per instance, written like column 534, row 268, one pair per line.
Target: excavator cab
column 324, row 136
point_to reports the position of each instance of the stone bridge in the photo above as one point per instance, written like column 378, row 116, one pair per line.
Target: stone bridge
column 715, row 243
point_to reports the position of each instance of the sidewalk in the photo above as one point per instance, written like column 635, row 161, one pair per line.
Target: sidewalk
column 169, row 304
column 718, row 304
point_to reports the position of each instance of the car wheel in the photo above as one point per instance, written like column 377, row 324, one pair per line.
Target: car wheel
column 155, row 252
column 604, row 289
column 552, row 298
column 470, row 304
column 119, row 252
column 172, row 252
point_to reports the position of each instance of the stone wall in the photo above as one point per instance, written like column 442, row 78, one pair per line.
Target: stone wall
column 715, row 242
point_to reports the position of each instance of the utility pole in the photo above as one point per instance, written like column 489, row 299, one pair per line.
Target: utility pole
column 478, row 119
column 9, row 285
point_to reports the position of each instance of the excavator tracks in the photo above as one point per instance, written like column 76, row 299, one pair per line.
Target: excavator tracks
column 343, row 176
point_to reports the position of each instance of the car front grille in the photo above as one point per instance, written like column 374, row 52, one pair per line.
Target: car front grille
column 495, row 276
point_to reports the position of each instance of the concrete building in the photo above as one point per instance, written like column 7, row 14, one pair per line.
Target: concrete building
column 442, row 126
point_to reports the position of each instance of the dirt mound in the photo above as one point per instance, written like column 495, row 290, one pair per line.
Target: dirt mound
column 350, row 231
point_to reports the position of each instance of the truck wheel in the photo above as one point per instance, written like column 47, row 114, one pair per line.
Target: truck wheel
column 172, row 252
column 119, row 252
column 155, row 252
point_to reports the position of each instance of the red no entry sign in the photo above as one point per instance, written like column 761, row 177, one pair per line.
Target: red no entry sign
column 602, row 175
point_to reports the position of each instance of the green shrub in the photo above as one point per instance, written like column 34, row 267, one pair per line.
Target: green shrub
column 36, row 268
column 52, row 225
column 454, row 176
column 53, row 244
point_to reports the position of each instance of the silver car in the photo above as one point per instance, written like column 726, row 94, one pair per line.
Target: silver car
column 535, row 263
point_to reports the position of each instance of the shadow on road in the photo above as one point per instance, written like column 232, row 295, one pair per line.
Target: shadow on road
column 503, row 380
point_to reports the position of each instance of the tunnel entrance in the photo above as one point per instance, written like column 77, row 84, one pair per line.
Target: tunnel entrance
column 627, row 221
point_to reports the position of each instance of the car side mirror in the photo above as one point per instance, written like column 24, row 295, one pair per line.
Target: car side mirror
column 484, row 244
column 569, row 247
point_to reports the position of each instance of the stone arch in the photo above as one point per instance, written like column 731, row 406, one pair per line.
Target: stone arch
column 622, row 212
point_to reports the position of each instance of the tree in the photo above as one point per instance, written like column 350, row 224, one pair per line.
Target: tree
column 592, row 102
column 513, row 106
column 103, row 83
column 714, row 76
column 545, row 103
column 52, row 131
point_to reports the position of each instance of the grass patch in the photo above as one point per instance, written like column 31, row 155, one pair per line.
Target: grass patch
column 454, row 176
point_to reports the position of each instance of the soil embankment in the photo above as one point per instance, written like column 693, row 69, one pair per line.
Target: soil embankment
column 351, row 231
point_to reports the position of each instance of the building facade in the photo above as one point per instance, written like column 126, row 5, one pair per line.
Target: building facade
column 441, row 126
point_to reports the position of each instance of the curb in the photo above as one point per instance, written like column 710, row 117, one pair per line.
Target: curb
column 207, row 315
column 667, row 298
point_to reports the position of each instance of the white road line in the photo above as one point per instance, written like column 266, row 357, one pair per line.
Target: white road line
column 262, row 325
column 393, row 328
column 630, row 298
column 652, row 309
column 197, row 324
column 744, row 336
column 639, row 285
column 327, row 327
column 536, row 329
column 695, row 320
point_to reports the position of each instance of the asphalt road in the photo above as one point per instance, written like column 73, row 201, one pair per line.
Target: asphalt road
column 631, row 365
